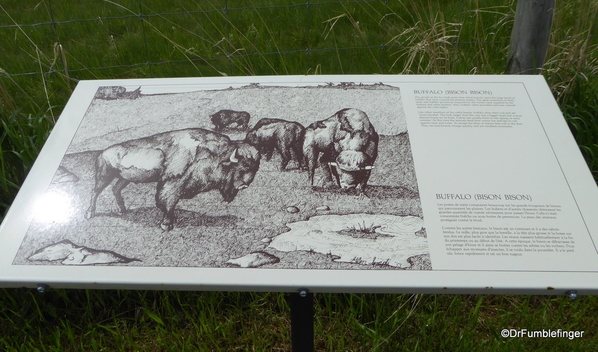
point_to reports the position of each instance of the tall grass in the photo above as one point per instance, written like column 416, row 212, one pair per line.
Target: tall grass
column 76, row 320
column 21, row 138
column 218, row 37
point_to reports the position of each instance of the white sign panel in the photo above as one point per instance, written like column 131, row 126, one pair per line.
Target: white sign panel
column 454, row 184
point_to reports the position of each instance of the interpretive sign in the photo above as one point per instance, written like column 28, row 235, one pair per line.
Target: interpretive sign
column 453, row 184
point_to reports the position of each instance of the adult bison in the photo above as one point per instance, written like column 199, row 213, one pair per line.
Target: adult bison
column 286, row 137
column 348, row 145
column 183, row 163
column 224, row 118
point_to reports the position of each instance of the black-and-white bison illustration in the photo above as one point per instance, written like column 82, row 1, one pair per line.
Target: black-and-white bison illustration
column 117, row 92
column 346, row 144
column 224, row 118
column 184, row 163
column 286, row 137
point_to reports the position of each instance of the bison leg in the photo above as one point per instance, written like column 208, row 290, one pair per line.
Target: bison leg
column 297, row 154
column 284, row 162
column 310, row 160
column 285, row 155
column 167, row 197
column 246, row 122
column 324, row 160
column 268, row 153
column 103, row 179
column 363, row 184
column 116, row 190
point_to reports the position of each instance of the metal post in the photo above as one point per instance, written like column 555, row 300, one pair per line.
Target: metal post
column 530, row 36
column 302, row 320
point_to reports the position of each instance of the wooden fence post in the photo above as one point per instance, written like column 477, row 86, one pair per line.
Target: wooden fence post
column 529, row 39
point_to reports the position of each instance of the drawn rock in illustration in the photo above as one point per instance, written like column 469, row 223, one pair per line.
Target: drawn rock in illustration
column 292, row 209
column 71, row 254
column 422, row 232
column 254, row 260
column 357, row 238
column 323, row 208
column 420, row 262
column 64, row 175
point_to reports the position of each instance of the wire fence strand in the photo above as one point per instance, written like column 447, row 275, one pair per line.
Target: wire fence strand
column 145, row 14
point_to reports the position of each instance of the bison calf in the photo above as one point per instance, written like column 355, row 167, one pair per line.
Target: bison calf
column 224, row 118
column 184, row 163
column 275, row 134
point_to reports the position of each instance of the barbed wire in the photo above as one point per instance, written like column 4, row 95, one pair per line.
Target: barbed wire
column 225, row 10
column 306, row 51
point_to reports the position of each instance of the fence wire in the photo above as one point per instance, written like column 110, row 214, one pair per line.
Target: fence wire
column 226, row 10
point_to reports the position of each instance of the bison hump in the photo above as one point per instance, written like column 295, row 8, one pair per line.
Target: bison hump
column 193, row 147
column 354, row 120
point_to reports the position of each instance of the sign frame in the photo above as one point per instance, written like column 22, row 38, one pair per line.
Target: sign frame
column 511, row 121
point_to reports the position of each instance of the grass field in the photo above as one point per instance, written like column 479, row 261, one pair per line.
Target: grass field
column 93, row 39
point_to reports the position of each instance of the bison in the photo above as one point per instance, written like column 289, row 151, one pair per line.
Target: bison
column 275, row 134
column 224, row 118
column 183, row 163
column 348, row 145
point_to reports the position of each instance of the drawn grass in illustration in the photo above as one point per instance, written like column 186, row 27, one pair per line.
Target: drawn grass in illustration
column 361, row 230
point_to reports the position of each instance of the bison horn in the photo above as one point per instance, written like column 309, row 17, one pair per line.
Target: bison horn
column 233, row 157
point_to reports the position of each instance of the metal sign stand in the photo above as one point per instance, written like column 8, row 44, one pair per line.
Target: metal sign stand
column 302, row 320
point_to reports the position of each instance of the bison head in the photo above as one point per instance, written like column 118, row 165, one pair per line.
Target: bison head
column 253, row 138
column 352, row 169
column 240, row 169
column 264, row 147
column 218, row 125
